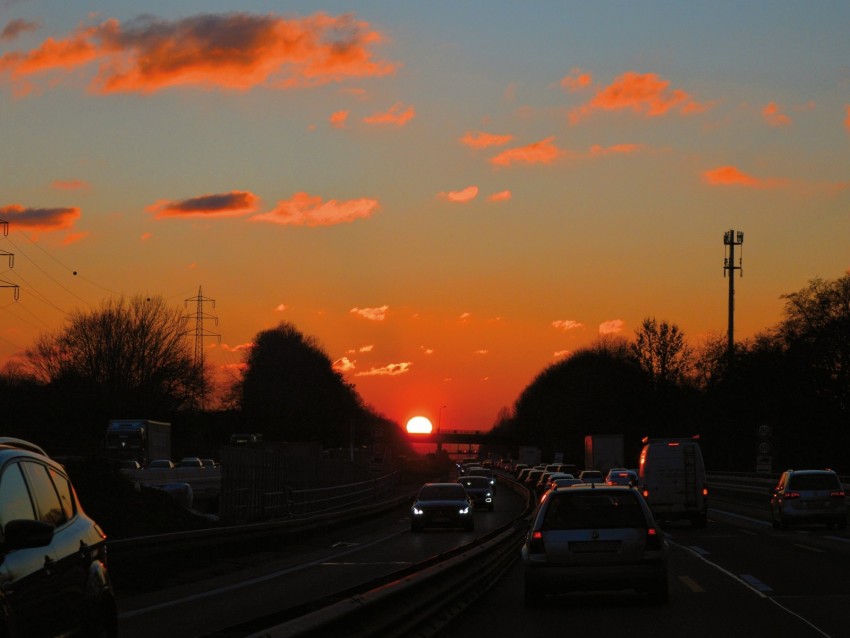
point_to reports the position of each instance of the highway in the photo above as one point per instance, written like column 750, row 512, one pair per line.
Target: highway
column 736, row 578
column 226, row 596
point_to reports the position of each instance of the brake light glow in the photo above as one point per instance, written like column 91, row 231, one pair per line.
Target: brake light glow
column 791, row 495
column 535, row 545
column 705, row 491
column 837, row 494
column 653, row 539
column 673, row 445
column 646, row 493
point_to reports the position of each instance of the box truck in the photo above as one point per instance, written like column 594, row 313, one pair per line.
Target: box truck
column 141, row 440
column 671, row 477
column 603, row 452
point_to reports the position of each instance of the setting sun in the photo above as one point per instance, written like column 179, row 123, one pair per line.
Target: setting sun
column 419, row 425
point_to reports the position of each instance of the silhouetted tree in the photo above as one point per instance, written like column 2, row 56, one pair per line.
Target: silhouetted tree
column 128, row 358
column 661, row 352
column 290, row 391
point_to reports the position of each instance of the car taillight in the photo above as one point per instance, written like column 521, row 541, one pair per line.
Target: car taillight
column 837, row 494
column 646, row 493
column 535, row 545
column 705, row 492
column 791, row 495
column 653, row 539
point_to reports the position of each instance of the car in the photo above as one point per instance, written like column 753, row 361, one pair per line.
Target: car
column 591, row 476
column 161, row 464
column 129, row 465
column 479, row 490
column 190, row 461
column 486, row 473
column 209, row 463
column 621, row 476
column 808, row 496
column 594, row 537
column 53, row 569
column 441, row 505
column 566, row 482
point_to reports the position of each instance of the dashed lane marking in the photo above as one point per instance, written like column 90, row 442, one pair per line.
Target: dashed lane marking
column 691, row 584
column 755, row 583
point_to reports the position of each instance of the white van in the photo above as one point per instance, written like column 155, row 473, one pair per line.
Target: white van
column 671, row 477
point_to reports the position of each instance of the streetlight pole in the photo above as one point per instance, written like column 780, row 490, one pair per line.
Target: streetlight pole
column 439, row 424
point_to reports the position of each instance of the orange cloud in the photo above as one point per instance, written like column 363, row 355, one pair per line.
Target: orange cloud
column 372, row 314
column 479, row 139
column 466, row 195
column 146, row 236
column 230, row 204
column 73, row 238
column 542, row 152
column 847, row 119
column 599, row 151
column 576, row 80
column 69, row 185
column 644, row 93
column 339, row 119
column 231, row 51
column 307, row 210
column 566, row 324
column 397, row 114
column 773, row 116
column 390, row 370
column 611, row 327
column 732, row 176
column 343, row 364
column 238, row 348
column 501, row 196
column 14, row 28
column 41, row 219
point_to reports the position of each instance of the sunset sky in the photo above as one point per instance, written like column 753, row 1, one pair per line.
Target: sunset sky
column 449, row 196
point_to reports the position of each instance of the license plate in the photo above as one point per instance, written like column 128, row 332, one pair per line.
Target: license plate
column 590, row 547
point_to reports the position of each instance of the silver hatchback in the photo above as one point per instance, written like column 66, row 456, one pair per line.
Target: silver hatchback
column 808, row 496
column 594, row 537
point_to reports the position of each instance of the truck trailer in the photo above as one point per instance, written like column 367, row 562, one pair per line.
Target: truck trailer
column 603, row 452
column 141, row 440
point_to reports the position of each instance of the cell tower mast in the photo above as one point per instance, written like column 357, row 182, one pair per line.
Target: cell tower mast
column 731, row 239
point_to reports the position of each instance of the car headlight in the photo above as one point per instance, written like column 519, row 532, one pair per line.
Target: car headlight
column 464, row 510
column 417, row 511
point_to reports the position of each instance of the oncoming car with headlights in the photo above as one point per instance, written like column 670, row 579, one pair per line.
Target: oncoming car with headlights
column 441, row 505
column 480, row 490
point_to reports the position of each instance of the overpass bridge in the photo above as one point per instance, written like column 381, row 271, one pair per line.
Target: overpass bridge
column 460, row 437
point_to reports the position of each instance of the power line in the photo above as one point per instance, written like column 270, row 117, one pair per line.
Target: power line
column 200, row 392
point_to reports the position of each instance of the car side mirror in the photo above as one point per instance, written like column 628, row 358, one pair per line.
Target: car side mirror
column 25, row 533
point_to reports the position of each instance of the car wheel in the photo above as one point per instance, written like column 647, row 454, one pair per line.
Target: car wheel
column 659, row 591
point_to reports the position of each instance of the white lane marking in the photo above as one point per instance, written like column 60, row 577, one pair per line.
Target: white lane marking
column 699, row 550
column 253, row 581
column 755, row 582
column 838, row 538
column 811, row 549
column 756, row 591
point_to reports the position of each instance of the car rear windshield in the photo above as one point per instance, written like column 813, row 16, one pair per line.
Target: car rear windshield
column 802, row 482
column 475, row 481
column 593, row 510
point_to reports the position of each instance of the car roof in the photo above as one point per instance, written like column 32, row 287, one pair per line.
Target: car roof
column 20, row 444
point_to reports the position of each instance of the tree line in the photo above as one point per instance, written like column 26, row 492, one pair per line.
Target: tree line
column 782, row 397
column 132, row 358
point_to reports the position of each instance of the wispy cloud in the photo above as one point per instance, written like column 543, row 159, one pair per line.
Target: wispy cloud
column 232, row 204
column 847, row 119
column 577, row 80
column 344, row 364
column 542, row 152
column 613, row 326
column 238, row 348
column 390, row 370
column 397, row 114
column 566, row 324
column 308, row 210
column 479, row 139
column 617, row 149
column 501, row 196
column 467, row 194
column 338, row 119
column 773, row 115
column 732, row 176
column 41, row 219
column 69, row 185
column 281, row 307
column 373, row 314
column 643, row 93
column 229, row 51
column 14, row 28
